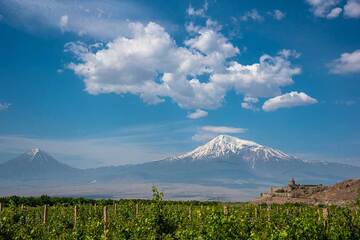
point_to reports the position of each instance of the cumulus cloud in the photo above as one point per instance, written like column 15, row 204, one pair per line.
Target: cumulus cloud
column 352, row 9
column 201, row 12
column 334, row 13
column 288, row 100
column 150, row 64
column 252, row 15
column 263, row 79
column 277, row 14
column 210, row 41
column 198, row 113
column 346, row 63
column 208, row 132
column 333, row 8
column 250, row 103
column 4, row 106
column 321, row 8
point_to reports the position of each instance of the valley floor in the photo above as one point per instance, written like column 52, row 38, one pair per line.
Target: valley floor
column 131, row 190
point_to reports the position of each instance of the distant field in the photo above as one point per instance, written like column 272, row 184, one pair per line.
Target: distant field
column 69, row 218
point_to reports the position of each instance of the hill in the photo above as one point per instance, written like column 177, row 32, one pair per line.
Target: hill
column 342, row 193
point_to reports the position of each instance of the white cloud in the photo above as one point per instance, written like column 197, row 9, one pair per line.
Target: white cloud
column 321, row 8
column 345, row 102
column 250, row 103
column 352, row 9
column 334, row 13
column 346, row 63
column 102, row 20
column 252, row 15
column 222, row 129
column 201, row 12
column 210, row 41
column 198, row 113
column 277, row 14
column 263, row 79
column 64, row 20
column 333, row 8
column 151, row 65
column 288, row 100
column 208, row 132
column 4, row 106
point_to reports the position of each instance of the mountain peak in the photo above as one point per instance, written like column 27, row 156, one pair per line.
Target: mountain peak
column 229, row 146
column 34, row 164
column 228, row 140
column 34, row 151
column 37, row 155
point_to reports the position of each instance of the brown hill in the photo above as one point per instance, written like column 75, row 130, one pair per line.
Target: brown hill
column 341, row 193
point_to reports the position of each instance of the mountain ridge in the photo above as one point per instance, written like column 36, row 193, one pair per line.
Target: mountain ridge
column 225, row 161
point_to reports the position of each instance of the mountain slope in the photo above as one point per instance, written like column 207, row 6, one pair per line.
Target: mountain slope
column 35, row 164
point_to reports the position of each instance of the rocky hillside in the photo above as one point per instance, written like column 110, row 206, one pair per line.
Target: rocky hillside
column 345, row 192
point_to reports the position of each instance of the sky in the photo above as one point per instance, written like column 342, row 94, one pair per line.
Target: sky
column 97, row 83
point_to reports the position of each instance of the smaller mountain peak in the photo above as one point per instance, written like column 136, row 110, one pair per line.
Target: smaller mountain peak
column 34, row 151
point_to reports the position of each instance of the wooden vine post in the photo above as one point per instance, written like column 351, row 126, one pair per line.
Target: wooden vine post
column 1, row 206
column 190, row 212
column 137, row 210
column 226, row 210
column 45, row 215
column 75, row 216
column 106, row 221
column 115, row 208
column 325, row 216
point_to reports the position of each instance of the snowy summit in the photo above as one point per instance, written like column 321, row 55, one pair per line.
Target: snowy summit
column 35, row 154
column 228, row 146
column 34, row 151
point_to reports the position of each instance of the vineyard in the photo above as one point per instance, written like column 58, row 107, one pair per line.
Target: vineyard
column 159, row 219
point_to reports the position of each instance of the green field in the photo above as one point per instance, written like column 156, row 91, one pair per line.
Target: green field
column 60, row 218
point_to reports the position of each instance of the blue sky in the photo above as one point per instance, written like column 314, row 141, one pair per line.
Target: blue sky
column 116, row 82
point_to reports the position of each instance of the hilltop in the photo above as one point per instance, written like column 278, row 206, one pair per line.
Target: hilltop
column 341, row 193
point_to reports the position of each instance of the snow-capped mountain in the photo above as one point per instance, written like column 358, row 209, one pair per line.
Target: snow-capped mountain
column 224, row 146
column 236, row 162
column 225, row 161
column 34, row 164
